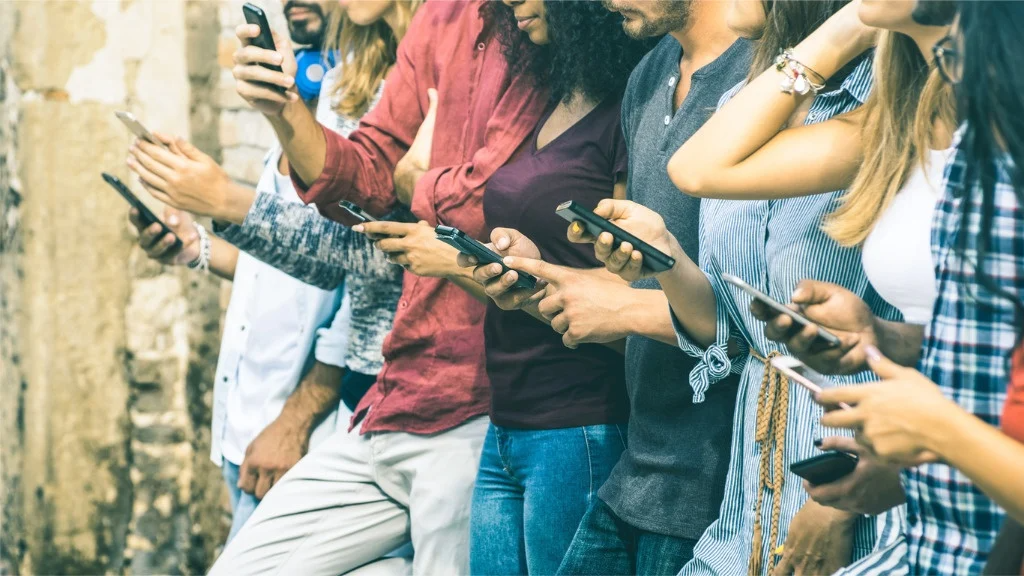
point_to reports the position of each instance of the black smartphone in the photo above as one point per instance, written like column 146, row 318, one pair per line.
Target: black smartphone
column 255, row 15
column 145, row 214
column 484, row 255
column 825, row 468
column 654, row 260
column 828, row 339
column 356, row 211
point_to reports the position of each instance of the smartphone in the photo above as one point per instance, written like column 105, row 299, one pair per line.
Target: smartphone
column 255, row 15
column 654, row 260
column 803, row 375
column 137, row 128
column 825, row 468
column 828, row 339
column 484, row 255
column 145, row 214
column 356, row 211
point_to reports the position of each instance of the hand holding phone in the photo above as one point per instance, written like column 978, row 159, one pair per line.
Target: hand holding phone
column 146, row 216
column 798, row 372
column 825, row 468
column 826, row 338
column 255, row 15
column 484, row 255
column 654, row 260
column 136, row 127
column 356, row 211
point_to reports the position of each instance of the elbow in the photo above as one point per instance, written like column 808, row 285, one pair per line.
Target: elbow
column 690, row 179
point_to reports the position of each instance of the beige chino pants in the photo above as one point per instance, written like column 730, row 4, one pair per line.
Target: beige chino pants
column 356, row 498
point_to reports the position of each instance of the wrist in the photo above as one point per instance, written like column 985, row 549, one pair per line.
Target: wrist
column 235, row 205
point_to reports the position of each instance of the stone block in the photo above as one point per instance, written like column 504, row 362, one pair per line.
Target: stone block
column 244, row 163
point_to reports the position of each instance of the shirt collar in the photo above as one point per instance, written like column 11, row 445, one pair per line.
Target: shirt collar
column 858, row 82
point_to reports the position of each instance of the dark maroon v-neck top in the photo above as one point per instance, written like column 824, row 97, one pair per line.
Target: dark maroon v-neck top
column 536, row 382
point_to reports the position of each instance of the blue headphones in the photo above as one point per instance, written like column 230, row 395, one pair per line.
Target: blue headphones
column 312, row 67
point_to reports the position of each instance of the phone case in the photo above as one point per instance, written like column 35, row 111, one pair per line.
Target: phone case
column 254, row 15
column 356, row 211
column 471, row 247
column 830, row 340
column 654, row 259
column 825, row 468
column 145, row 214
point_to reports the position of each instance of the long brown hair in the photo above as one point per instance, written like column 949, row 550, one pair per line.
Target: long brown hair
column 907, row 101
column 366, row 54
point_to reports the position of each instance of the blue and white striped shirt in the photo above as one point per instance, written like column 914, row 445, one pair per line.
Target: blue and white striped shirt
column 773, row 245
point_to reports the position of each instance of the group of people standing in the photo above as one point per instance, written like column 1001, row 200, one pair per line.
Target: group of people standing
column 863, row 161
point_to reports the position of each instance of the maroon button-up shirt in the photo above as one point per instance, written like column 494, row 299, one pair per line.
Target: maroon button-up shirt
column 433, row 377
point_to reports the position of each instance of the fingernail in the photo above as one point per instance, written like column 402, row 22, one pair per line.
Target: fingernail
column 508, row 260
column 817, row 442
column 357, row 228
column 576, row 228
column 872, row 353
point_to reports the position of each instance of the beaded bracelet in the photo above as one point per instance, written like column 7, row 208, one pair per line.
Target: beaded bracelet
column 795, row 75
column 202, row 262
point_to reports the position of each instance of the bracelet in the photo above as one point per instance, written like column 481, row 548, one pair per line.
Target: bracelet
column 795, row 75
column 202, row 261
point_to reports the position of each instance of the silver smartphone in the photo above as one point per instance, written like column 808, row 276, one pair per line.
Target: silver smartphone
column 830, row 339
column 803, row 375
column 137, row 128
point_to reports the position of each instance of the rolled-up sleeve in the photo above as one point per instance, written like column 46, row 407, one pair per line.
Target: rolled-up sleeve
column 714, row 363
column 331, row 346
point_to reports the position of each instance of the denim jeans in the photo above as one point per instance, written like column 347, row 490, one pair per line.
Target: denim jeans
column 243, row 504
column 532, row 490
column 606, row 544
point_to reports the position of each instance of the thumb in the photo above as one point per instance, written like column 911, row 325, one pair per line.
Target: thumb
column 539, row 268
column 281, row 42
column 809, row 292
column 504, row 238
column 840, row 443
column 611, row 209
column 885, row 368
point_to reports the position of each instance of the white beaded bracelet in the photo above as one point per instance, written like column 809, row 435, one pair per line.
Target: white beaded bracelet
column 202, row 262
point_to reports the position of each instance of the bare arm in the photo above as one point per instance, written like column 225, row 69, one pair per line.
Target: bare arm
column 223, row 258
column 731, row 154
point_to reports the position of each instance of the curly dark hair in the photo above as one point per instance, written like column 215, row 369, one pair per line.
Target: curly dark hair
column 589, row 54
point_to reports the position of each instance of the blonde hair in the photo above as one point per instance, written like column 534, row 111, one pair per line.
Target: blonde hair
column 366, row 54
column 899, row 118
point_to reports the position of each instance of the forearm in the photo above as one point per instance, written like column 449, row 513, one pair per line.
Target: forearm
column 693, row 301
column 223, row 258
column 899, row 341
column 993, row 460
column 302, row 140
column 649, row 317
column 315, row 397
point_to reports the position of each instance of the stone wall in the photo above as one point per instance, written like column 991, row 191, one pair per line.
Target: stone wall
column 107, row 359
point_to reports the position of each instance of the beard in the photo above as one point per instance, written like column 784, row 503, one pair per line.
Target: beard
column 668, row 15
column 308, row 32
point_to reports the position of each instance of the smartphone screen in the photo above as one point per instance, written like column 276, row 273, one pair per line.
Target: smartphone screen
column 136, row 127
column 803, row 375
column 254, row 15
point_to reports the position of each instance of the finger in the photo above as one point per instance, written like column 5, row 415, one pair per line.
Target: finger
column 849, row 394
column 785, row 565
column 538, row 268
column 604, row 246
column 466, row 261
column 619, row 257
column 189, row 150
column 392, row 229
column 392, row 245
column 250, row 56
column 147, row 177
column 885, row 368
column 762, row 311
column 160, row 154
column 550, row 307
column 156, row 167
column 266, row 77
column 634, row 268
column 501, row 238
column 569, row 341
column 486, row 273
column 809, row 292
column 161, row 248
column 802, row 338
column 840, row 443
column 150, row 235
column 246, row 32
column 263, row 484
column 578, row 233
column 256, row 91
column 502, row 285
column 247, row 477
column 560, row 324
column 611, row 209
column 850, row 419
column 136, row 220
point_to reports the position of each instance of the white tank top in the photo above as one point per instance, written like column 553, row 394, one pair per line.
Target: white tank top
column 897, row 254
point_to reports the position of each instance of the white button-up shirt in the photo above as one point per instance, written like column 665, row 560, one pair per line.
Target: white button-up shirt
column 274, row 329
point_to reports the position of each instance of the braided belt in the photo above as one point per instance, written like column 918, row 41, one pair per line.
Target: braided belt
column 770, row 435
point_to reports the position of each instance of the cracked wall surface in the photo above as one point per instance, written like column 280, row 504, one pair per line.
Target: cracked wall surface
column 106, row 358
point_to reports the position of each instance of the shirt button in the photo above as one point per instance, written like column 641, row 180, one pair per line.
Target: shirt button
column 668, row 120
column 225, row 378
column 242, row 328
column 672, row 81
column 480, row 46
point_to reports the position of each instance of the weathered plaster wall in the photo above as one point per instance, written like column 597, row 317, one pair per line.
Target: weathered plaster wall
column 106, row 359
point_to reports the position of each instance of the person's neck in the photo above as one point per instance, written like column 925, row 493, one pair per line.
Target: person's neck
column 705, row 36
column 925, row 37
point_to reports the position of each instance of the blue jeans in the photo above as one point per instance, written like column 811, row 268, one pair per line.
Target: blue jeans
column 532, row 490
column 606, row 544
column 243, row 504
